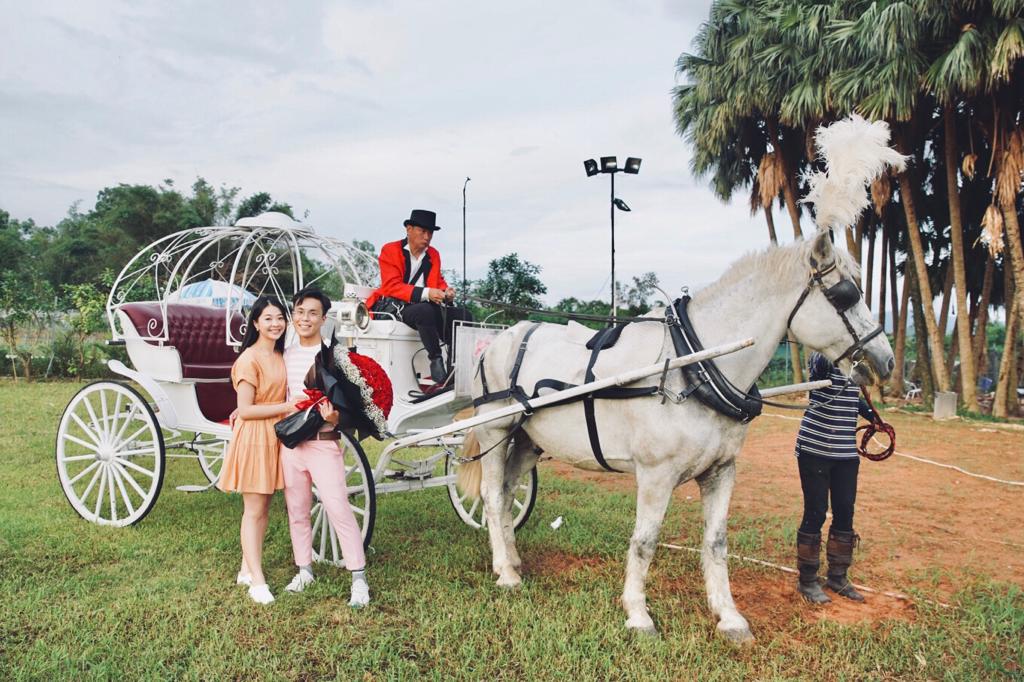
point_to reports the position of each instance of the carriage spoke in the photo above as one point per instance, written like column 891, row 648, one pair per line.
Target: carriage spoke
column 132, row 437
column 136, row 467
column 83, row 472
column 99, row 496
column 519, row 505
column 85, row 429
column 81, row 442
column 472, row 510
column 334, row 543
column 92, row 415
column 77, row 458
column 104, row 411
column 115, row 413
column 118, row 476
column 110, row 487
column 127, row 421
column 358, row 510
column 138, row 451
column 131, row 479
column 92, row 482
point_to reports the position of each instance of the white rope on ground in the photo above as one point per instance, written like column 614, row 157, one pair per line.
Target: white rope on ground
column 786, row 569
column 921, row 459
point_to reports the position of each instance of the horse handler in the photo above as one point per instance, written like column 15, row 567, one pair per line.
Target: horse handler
column 318, row 461
column 826, row 451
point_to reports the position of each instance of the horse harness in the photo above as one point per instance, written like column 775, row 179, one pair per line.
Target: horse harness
column 703, row 379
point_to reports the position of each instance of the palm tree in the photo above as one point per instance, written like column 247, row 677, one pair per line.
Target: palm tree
column 879, row 48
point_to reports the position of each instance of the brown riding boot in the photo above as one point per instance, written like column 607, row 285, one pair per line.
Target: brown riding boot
column 808, row 561
column 840, row 556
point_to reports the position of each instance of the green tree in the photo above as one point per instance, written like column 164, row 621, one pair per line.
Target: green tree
column 511, row 281
column 258, row 203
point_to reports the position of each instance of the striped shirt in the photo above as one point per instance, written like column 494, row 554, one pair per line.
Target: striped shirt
column 297, row 361
column 829, row 425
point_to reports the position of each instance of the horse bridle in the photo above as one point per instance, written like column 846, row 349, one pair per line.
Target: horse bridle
column 843, row 295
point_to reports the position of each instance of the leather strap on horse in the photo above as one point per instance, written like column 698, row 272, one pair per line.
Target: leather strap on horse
column 588, row 401
column 705, row 379
column 871, row 429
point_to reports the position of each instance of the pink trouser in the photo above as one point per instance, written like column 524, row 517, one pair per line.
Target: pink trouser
column 320, row 463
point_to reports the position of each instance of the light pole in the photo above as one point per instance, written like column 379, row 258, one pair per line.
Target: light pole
column 610, row 165
column 464, row 292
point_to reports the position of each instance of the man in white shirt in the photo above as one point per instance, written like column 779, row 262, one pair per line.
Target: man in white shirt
column 318, row 461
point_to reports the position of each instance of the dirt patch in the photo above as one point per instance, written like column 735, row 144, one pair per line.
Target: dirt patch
column 921, row 526
column 557, row 564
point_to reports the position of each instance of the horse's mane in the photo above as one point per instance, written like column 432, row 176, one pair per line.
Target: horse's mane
column 781, row 261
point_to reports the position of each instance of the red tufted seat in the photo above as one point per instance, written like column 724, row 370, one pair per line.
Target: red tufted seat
column 197, row 333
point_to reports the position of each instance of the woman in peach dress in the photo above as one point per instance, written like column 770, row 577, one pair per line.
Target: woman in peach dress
column 252, row 465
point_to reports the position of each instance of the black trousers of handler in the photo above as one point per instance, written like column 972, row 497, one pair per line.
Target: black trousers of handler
column 820, row 478
column 431, row 321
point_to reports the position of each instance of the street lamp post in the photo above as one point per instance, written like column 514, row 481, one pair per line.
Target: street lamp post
column 610, row 165
column 464, row 292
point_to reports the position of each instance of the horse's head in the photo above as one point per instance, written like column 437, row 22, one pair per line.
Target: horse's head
column 831, row 316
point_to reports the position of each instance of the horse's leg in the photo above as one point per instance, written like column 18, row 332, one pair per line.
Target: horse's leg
column 715, row 491
column 493, row 492
column 522, row 457
column 653, row 492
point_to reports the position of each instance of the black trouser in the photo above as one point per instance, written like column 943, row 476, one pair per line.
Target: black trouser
column 820, row 476
column 431, row 320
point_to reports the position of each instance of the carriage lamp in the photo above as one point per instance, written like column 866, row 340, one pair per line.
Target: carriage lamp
column 610, row 165
column 353, row 313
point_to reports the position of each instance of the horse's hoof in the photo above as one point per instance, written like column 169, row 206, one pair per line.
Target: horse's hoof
column 739, row 636
column 510, row 582
column 647, row 632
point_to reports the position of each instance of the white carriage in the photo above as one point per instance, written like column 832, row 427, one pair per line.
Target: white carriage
column 115, row 437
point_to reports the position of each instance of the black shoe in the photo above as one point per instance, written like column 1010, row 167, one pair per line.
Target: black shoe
column 437, row 370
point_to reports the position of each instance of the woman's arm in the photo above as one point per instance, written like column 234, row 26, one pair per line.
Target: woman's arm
column 248, row 410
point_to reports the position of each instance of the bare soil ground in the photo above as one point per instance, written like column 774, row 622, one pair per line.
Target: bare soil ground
column 923, row 527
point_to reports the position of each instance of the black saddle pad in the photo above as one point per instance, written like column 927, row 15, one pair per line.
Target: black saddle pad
column 606, row 338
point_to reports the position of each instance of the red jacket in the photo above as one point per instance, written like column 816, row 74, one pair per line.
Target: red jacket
column 395, row 275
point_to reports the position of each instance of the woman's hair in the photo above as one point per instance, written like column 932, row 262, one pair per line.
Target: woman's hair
column 251, row 333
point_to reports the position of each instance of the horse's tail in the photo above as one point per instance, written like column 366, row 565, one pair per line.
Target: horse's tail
column 468, row 475
column 855, row 152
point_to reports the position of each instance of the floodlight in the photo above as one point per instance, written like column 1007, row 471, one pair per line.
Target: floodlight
column 591, row 167
column 632, row 165
column 609, row 164
column 621, row 205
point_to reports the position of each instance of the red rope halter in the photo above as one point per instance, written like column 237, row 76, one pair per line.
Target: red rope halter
column 876, row 425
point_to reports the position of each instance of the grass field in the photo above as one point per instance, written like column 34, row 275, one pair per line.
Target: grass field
column 157, row 600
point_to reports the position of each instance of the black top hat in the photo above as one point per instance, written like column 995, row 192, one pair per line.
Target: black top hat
column 424, row 219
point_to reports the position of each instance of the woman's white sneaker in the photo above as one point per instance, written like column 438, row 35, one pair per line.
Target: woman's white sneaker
column 243, row 579
column 360, row 594
column 260, row 594
column 301, row 581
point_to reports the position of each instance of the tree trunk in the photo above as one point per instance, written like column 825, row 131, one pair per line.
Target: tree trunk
column 931, row 328
column 1013, row 402
column 770, row 219
column 794, row 354
column 892, row 279
column 900, row 350
column 1013, row 245
column 923, row 366
column 788, row 191
column 869, row 279
column 1006, row 382
column 882, row 278
column 981, row 325
column 969, row 379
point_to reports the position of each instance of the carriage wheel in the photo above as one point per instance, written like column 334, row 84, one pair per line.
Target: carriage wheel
column 110, row 454
column 524, row 495
column 361, row 496
column 211, row 459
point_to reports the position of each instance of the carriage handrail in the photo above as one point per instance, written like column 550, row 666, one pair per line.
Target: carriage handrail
column 569, row 393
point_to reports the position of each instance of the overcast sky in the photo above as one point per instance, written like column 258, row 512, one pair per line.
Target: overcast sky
column 361, row 111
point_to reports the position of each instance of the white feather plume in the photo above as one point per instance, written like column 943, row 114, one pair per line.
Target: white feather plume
column 855, row 152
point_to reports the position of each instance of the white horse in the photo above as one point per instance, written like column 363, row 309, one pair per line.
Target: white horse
column 663, row 443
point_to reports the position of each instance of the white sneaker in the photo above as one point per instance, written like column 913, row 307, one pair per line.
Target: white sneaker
column 260, row 594
column 360, row 594
column 243, row 579
column 301, row 581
